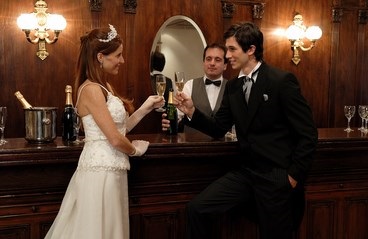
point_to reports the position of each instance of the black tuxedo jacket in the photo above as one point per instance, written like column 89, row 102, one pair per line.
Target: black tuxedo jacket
column 275, row 129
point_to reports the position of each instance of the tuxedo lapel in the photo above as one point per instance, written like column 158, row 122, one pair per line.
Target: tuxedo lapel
column 236, row 101
column 256, row 97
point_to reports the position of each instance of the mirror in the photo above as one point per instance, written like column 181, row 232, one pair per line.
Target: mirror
column 182, row 43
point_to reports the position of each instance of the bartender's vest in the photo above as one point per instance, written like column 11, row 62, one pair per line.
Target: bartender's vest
column 200, row 98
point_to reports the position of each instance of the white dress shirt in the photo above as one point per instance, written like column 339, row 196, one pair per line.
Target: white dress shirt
column 212, row 92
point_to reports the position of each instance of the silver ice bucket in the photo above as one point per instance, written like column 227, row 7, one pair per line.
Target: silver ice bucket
column 40, row 124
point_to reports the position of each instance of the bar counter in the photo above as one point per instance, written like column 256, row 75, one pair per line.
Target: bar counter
column 34, row 177
column 325, row 136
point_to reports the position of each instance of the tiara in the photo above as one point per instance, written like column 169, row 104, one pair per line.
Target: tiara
column 111, row 35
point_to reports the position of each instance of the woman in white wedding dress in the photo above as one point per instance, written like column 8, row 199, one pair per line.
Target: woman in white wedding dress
column 95, row 205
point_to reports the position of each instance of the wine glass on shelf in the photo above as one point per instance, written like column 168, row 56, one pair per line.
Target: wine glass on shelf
column 349, row 111
column 77, row 125
column 179, row 80
column 160, row 89
column 365, row 117
column 362, row 111
column 3, row 115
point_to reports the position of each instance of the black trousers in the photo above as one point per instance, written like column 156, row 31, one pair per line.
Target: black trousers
column 278, row 207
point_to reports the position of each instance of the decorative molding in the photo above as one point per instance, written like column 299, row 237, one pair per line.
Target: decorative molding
column 95, row 5
column 258, row 10
column 130, row 6
column 228, row 8
column 362, row 16
column 364, row 3
column 337, row 14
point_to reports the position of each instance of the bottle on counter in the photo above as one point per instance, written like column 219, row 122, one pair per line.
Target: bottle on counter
column 68, row 117
column 172, row 114
column 23, row 101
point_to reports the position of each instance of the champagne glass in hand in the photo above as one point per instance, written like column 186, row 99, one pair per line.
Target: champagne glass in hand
column 3, row 114
column 160, row 89
column 179, row 80
column 349, row 111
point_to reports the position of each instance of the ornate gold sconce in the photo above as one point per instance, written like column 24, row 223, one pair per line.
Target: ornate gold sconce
column 298, row 32
column 40, row 24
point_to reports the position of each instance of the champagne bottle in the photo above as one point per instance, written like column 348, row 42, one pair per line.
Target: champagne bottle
column 172, row 115
column 23, row 101
column 68, row 118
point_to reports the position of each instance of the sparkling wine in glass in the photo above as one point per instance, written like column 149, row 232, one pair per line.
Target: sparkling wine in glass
column 349, row 111
column 3, row 115
column 179, row 80
column 160, row 89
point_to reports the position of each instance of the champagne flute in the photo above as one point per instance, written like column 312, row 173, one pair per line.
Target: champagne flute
column 365, row 117
column 349, row 111
column 3, row 115
column 77, row 125
column 362, row 111
column 179, row 80
column 160, row 89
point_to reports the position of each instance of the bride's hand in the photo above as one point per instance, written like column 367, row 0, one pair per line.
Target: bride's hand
column 153, row 102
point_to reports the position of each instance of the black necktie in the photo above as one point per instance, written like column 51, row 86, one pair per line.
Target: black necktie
column 215, row 82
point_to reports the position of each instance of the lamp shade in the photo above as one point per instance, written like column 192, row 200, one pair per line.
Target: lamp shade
column 294, row 32
column 27, row 21
column 56, row 22
column 313, row 33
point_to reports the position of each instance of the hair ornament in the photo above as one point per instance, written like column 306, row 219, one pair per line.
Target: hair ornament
column 111, row 35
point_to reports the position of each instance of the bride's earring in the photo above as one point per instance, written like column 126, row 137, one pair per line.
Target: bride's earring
column 100, row 59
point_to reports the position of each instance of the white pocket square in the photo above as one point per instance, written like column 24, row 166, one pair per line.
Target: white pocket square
column 265, row 97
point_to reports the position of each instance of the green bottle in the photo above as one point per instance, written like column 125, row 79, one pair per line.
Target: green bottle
column 172, row 114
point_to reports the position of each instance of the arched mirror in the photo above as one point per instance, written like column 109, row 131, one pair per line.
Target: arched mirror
column 181, row 41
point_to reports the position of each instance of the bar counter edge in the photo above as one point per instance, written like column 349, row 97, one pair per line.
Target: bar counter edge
column 34, row 177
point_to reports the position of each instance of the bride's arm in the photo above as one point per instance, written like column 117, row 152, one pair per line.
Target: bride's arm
column 152, row 102
column 92, row 101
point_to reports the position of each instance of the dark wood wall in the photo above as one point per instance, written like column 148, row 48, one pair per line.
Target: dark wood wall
column 331, row 75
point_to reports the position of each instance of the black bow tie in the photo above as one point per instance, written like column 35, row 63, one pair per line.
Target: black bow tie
column 215, row 82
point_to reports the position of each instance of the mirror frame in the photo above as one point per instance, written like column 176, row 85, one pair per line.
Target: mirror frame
column 198, row 67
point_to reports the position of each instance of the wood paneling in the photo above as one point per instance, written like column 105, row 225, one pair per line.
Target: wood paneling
column 331, row 75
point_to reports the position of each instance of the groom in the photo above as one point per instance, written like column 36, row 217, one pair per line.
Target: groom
column 277, row 138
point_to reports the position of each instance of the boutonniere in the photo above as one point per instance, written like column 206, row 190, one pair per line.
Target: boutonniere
column 265, row 97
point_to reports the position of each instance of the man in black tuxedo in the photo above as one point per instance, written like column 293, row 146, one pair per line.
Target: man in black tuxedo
column 276, row 135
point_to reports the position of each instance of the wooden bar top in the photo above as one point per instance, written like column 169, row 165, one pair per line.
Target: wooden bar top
column 338, row 134
column 326, row 136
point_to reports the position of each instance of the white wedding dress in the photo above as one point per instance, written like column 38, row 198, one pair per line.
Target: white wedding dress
column 95, row 205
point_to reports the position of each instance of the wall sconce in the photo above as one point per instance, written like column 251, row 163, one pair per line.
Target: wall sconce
column 297, row 32
column 41, row 23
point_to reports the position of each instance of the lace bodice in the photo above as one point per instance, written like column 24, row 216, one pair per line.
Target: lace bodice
column 98, row 154
column 118, row 113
